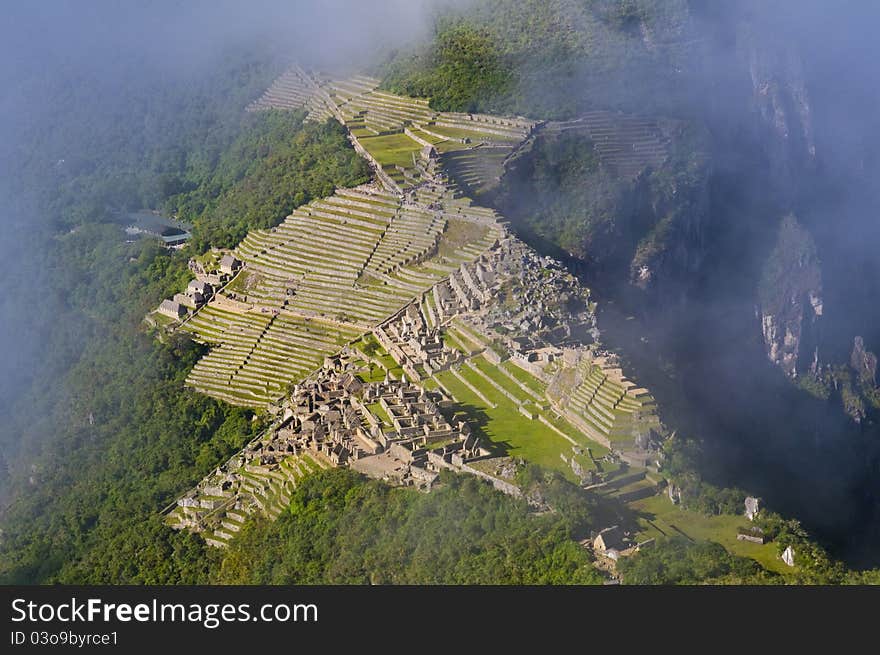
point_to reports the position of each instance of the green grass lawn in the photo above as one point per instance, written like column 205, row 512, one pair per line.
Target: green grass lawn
column 372, row 374
column 240, row 282
column 474, row 135
column 597, row 449
column 469, row 333
column 377, row 411
column 427, row 137
column 493, row 394
column 491, row 371
column 370, row 347
column 390, row 364
column 463, row 342
column 504, row 426
column 391, row 149
column 452, row 342
column 525, row 377
column 162, row 320
column 660, row 517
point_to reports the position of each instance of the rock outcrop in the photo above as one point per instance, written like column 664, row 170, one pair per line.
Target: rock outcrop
column 780, row 98
column 863, row 362
column 790, row 297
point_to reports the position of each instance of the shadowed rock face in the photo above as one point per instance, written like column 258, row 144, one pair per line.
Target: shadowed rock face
column 790, row 297
column 863, row 362
column 782, row 106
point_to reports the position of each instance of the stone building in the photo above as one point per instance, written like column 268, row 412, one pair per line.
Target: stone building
column 229, row 264
column 199, row 288
column 172, row 309
column 609, row 539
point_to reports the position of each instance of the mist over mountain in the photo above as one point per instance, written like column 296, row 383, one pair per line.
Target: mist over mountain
column 746, row 328
column 739, row 279
column 94, row 118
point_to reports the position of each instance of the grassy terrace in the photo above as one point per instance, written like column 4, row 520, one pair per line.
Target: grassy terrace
column 377, row 411
column 659, row 517
column 241, row 282
column 491, row 371
column 391, row 149
column 372, row 373
column 525, row 377
column 461, row 233
column 510, row 432
column 452, row 342
column 597, row 449
column 161, row 320
column 392, row 366
column 380, row 360
column 430, row 138
column 475, row 134
column 465, row 343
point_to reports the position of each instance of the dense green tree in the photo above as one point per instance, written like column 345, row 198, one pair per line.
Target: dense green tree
column 461, row 72
column 341, row 529
column 103, row 434
column 277, row 163
column 678, row 561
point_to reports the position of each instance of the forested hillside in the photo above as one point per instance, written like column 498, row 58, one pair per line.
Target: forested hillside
column 342, row 530
column 546, row 60
column 106, row 436
column 274, row 165
column 98, row 434
column 102, row 435
column 682, row 250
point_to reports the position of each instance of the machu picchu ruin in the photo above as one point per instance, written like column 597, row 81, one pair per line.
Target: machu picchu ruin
column 496, row 293
column 393, row 326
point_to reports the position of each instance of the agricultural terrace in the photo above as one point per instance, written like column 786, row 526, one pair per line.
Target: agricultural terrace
column 329, row 273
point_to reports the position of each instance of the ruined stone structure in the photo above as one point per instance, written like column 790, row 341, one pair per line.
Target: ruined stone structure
column 172, row 309
column 392, row 429
column 439, row 284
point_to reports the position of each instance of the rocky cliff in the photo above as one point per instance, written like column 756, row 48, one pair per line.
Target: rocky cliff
column 780, row 103
column 627, row 195
column 790, row 300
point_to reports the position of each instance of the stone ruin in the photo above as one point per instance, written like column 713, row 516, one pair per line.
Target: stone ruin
column 381, row 265
column 415, row 344
column 392, row 429
column 752, row 508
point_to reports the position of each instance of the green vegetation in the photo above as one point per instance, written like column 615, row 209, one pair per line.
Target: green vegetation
column 276, row 164
column 678, row 561
column 126, row 438
column 340, row 529
column 791, row 270
column 460, row 71
column 118, row 438
column 684, row 459
column 659, row 519
column 511, row 432
column 544, row 58
column 391, row 149
column 103, row 434
column 525, row 377
column 379, row 412
column 718, row 512
column 558, row 193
